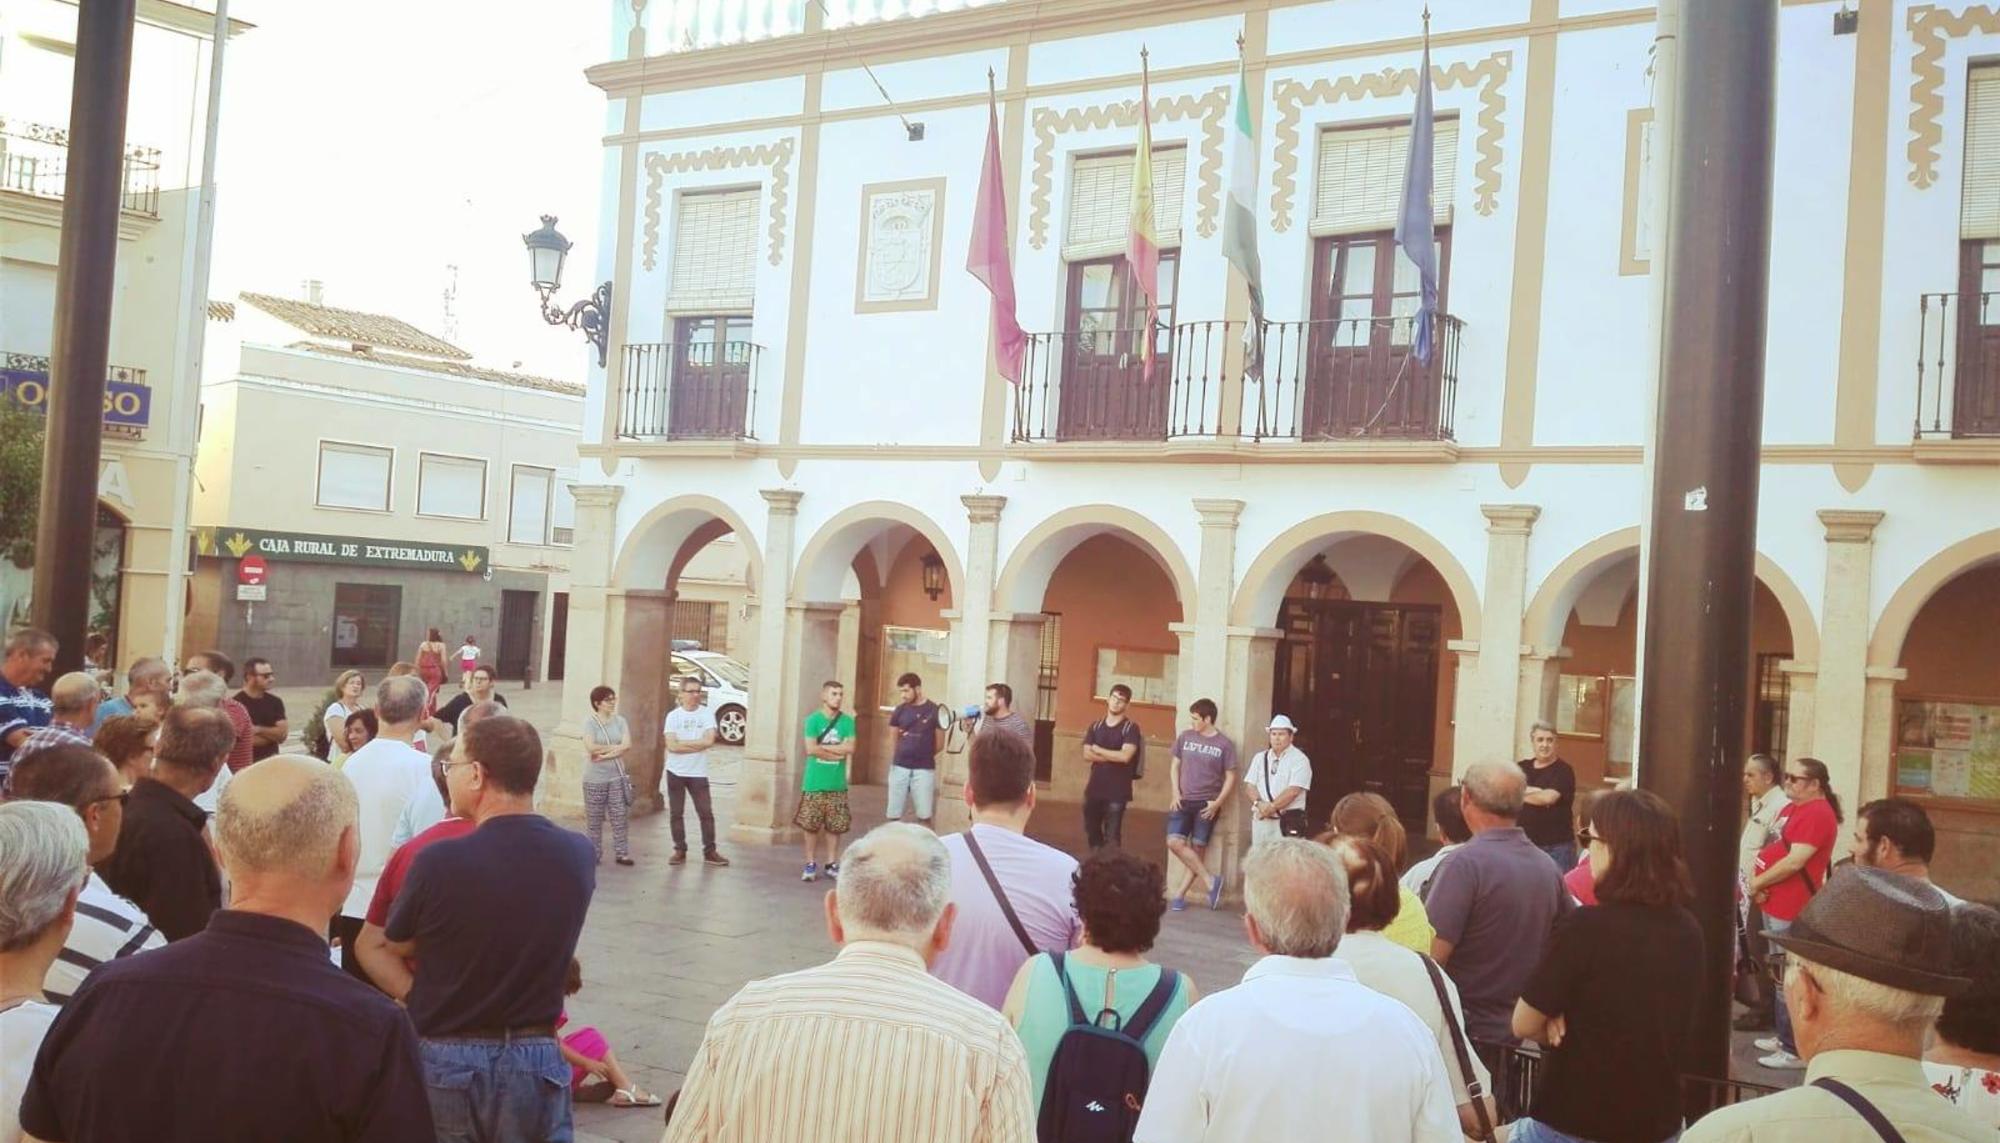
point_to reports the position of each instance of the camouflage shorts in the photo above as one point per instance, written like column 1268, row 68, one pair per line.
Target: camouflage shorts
column 823, row 811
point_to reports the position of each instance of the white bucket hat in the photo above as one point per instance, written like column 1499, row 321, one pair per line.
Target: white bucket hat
column 1281, row 722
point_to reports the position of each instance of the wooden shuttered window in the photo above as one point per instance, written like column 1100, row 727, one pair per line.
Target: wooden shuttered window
column 1979, row 213
column 715, row 253
column 1358, row 188
column 1100, row 202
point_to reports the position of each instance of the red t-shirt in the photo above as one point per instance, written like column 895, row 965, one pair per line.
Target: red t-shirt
column 1800, row 823
column 398, row 866
column 241, row 754
column 1581, row 884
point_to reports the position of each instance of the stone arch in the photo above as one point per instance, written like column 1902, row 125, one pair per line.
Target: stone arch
column 1032, row 563
column 1263, row 585
column 1885, row 649
column 658, row 546
column 825, row 559
column 1548, row 611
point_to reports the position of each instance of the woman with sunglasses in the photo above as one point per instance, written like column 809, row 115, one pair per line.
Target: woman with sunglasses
column 1790, row 870
column 1613, row 995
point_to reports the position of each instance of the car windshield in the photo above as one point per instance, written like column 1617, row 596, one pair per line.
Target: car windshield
column 729, row 671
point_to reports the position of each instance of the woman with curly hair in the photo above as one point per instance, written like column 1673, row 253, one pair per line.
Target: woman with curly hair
column 1120, row 899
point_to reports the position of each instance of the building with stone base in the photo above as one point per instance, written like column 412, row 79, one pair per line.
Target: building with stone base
column 1413, row 559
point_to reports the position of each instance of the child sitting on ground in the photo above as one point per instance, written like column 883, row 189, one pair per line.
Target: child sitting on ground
column 595, row 1076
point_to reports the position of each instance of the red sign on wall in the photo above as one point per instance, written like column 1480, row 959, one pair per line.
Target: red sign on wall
column 252, row 569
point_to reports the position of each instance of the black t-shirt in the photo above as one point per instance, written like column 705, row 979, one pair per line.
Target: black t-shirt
column 459, row 704
column 1112, row 781
column 1627, row 981
column 265, row 712
column 1550, row 825
column 916, row 747
column 495, row 915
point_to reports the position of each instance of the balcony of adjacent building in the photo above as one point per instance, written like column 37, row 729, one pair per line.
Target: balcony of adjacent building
column 697, row 390
column 34, row 164
column 128, row 395
column 693, row 25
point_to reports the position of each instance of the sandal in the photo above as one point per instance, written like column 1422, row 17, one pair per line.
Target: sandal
column 634, row 1097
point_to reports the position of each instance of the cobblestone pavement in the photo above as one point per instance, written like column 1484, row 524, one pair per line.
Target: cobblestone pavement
column 665, row 946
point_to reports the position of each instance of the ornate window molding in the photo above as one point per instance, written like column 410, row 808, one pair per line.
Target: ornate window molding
column 776, row 156
column 1209, row 108
column 1930, row 27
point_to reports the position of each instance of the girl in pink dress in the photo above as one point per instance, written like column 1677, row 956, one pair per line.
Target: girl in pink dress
column 595, row 1076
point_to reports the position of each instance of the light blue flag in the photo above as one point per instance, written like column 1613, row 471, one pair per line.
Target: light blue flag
column 1415, row 229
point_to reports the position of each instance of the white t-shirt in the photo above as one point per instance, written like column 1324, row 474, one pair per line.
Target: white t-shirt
column 684, row 725
column 21, row 1031
column 386, row 775
column 211, row 798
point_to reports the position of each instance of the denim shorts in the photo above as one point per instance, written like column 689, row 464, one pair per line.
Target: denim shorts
column 1185, row 820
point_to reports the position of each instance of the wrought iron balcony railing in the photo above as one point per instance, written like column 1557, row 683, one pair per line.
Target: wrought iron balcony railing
column 1355, row 379
column 1095, row 385
column 34, row 160
column 700, row 390
column 1958, row 366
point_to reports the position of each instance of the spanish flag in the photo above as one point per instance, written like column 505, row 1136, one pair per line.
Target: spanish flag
column 1142, row 248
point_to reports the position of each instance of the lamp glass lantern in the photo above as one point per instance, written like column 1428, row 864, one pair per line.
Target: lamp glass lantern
column 1317, row 576
column 933, row 568
column 546, row 250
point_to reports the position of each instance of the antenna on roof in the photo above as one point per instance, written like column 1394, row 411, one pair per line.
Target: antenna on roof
column 450, row 321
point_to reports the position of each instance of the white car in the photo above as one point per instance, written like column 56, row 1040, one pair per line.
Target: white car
column 725, row 690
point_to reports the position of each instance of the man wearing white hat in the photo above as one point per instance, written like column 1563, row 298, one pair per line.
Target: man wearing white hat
column 1278, row 779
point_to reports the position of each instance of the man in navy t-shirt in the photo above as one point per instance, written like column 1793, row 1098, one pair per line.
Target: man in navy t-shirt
column 913, row 773
column 1112, row 746
column 492, row 920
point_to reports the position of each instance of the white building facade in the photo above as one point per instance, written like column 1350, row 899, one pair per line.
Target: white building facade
column 1414, row 561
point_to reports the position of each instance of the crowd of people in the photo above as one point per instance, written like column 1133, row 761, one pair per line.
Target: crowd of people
column 167, row 907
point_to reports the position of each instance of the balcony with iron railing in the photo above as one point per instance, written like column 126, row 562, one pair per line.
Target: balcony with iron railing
column 34, row 161
column 689, row 391
column 1958, row 367
column 1336, row 380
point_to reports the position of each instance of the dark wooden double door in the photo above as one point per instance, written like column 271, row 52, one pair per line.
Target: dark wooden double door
column 1362, row 378
column 709, row 394
column 1360, row 680
column 1107, row 392
column 1975, row 399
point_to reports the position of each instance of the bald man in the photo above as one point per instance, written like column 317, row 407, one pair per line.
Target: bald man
column 294, row 1048
column 73, row 700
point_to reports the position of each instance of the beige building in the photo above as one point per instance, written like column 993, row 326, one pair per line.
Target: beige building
column 387, row 485
column 156, row 322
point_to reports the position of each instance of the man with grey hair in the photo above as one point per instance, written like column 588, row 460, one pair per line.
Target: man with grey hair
column 145, row 677
column 1492, row 903
column 390, row 776
column 284, row 1046
column 30, row 655
column 163, row 863
column 1868, row 968
column 1550, row 801
column 1275, row 1056
column 42, row 869
column 869, row 1045
column 73, row 703
column 206, row 690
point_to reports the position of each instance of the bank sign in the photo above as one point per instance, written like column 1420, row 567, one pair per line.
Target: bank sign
column 303, row 547
column 128, row 406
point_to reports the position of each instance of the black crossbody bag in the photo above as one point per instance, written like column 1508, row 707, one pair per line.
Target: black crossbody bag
column 1291, row 823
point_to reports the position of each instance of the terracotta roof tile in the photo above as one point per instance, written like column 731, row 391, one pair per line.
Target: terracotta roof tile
column 221, row 311
column 355, row 327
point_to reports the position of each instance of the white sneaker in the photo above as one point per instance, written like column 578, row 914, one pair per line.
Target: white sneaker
column 1767, row 1044
column 1782, row 1060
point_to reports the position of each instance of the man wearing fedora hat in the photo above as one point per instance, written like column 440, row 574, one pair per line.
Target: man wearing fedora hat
column 1278, row 779
column 1869, row 967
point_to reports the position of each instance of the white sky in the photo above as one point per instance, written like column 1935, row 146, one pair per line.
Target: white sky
column 370, row 143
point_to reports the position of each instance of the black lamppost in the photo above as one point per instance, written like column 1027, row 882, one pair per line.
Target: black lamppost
column 546, row 250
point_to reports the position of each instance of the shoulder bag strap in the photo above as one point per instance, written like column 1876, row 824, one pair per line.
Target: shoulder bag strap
column 1472, row 1085
column 1862, row 1107
column 1151, row 1008
column 993, row 883
column 1264, row 758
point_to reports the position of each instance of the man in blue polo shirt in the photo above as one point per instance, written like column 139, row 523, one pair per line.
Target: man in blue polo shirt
column 24, row 708
column 492, row 920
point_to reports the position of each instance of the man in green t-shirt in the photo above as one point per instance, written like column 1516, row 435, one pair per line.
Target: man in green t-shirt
column 823, row 804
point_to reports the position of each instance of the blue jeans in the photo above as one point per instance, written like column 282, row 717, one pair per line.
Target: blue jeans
column 1535, row 1131
column 1563, row 853
column 498, row 1091
column 1778, row 1008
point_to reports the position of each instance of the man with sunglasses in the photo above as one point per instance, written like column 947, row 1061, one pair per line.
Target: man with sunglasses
column 107, row 925
column 267, row 710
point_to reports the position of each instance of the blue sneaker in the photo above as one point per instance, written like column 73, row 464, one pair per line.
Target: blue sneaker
column 833, row 871
column 1215, row 891
column 1178, row 904
column 811, row 873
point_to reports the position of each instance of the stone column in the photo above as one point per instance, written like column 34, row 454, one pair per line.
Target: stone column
column 1801, row 694
column 971, row 644
column 1014, row 656
column 592, row 562
column 1876, row 777
column 1841, row 693
column 1541, row 677
column 1250, row 668
column 1465, row 743
column 1496, row 683
column 762, row 814
column 645, row 629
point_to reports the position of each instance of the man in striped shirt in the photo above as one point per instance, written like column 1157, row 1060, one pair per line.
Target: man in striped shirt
column 107, row 925
column 868, row 1046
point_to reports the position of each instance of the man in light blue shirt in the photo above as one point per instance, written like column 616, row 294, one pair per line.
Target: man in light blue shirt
column 148, row 676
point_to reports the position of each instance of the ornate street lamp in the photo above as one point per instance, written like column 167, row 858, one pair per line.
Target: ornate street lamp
column 1317, row 576
column 546, row 250
column 933, row 575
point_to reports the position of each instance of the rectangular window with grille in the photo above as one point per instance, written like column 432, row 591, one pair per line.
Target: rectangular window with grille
column 714, row 267
column 1771, row 720
column 1100, row 202
column 1358, row 186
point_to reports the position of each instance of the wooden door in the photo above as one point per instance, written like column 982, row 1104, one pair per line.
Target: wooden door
column 710, row 392
column 1362, row 380
column 558, row 636
column 517, row 633
column 1107, row 392
column 1975, row 401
